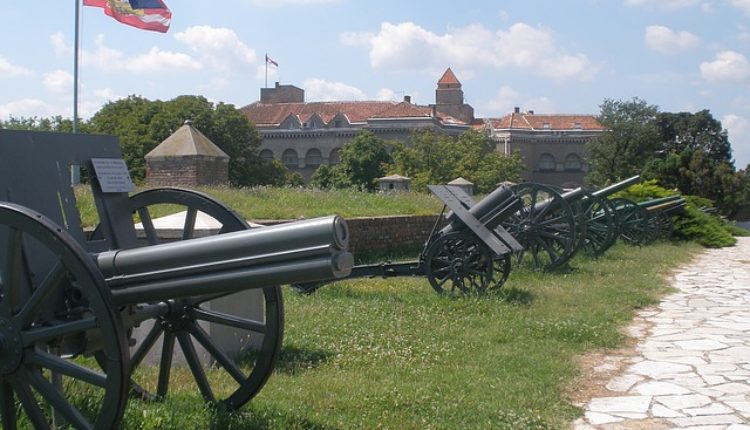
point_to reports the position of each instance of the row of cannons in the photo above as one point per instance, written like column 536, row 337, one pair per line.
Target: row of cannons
column 88, row 320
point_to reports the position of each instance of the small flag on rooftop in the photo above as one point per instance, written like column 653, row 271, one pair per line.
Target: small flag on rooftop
column 269, row 60
column 151, row 15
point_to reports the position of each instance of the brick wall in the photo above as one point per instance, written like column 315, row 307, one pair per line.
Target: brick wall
column 187, row 171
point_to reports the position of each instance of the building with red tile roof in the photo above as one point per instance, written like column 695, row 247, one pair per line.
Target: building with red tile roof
column 551, row 145
column 305, row 135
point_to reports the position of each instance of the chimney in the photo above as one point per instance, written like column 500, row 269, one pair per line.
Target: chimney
column 516, row 109
column 531, row 112
column 407, row 99
column 434, row 111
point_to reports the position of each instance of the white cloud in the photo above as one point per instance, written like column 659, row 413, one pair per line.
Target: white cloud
column 728, row 66
column 508, row 98
column 58, row 81
column 260, row 72
column 323, row 91
column 407, row 46
column 156, row 60
column 743, row 5
column 739, row 136
column 665, row 40
column 664, row 4
column 219, row 46
column 280, row 3
column 386, row 94
column 28, row 108
column 58, row 43
column 356, row 39
column 8, row 70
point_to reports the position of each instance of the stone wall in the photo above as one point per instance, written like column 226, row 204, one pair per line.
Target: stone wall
column 188, row 171
column 384, row 233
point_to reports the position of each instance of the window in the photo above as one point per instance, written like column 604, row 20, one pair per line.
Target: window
column 547, row 162
column 334, row 157
column 266, row 155
column 337, row 123
column 573, row 162
column 546, row 126
column 313, row 158
column 289, row 158
column 577, row 126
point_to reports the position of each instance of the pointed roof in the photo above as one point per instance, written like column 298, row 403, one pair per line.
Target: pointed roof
column 187, row 140
column 449, row 78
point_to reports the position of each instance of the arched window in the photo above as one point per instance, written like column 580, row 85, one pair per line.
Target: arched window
column 266, row 155
column 334, row 158
column 289, row 158
column 573, row 162
column 313, row 158
column 547, row 162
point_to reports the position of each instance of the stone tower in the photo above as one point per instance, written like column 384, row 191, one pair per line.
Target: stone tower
column 449, row 98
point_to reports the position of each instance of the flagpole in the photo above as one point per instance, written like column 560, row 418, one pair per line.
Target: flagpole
column 266, row 69
column 75, row 69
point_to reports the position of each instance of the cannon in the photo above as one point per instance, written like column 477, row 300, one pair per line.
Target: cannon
column 71, row 303
column 643, row 222
column 469, row 255
column 552, row 226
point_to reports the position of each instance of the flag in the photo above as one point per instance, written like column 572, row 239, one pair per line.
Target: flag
column 269, row 60
column 145, row 14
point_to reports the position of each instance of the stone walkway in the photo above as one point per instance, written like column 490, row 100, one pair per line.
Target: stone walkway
column 691, row 369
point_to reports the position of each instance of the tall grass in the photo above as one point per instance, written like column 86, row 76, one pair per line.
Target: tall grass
column 390, row 353
column 293, row 203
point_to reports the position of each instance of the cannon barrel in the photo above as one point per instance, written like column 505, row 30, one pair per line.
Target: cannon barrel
column 490, row 211
column 303, row 251
column 619, row 186
column 659, row 201
column 673, row 204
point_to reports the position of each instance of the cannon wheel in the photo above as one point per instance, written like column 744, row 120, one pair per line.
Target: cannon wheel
column 601, row 225
column 501, row 270
column 632, row 221
column 547, row 232
column 54, row 304
column 184, row 324
column 459, row 263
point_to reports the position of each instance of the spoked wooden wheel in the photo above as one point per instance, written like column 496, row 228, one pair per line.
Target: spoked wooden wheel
column 545, row 226
column 601, row 225
column 55, row 309
column 632, row 221
column 229, row 343
column 458, row 263
column 501, row 269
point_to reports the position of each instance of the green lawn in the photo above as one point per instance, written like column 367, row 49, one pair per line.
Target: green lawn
column 393, row 354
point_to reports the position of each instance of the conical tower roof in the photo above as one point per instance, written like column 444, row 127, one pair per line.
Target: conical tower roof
column 186, row 141
column 449, row 78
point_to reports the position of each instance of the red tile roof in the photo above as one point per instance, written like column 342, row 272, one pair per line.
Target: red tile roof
column 269, row 114
column 449, row 78
column 529, row 121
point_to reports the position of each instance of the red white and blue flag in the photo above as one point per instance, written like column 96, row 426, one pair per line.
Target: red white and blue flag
column 145, row 14
column 269, row 60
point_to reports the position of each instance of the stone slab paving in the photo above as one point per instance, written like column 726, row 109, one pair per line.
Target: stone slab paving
column 691, row 369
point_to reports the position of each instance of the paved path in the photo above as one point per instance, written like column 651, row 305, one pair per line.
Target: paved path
column 691, row 369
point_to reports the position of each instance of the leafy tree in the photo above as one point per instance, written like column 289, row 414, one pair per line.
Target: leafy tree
column 696, row 158
column 57, row 123
column 142, row 124
column 432, row 158
column 323, row 177
column 631, row 140
column 363, row 160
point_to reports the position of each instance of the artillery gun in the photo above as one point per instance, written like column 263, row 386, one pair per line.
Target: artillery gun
column 70, row 304
column 552, row 226
column 471, row 254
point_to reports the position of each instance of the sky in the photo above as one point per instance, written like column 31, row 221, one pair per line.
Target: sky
column 546, row 56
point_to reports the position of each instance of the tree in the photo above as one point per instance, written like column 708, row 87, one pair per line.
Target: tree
column 142, row 124
column 363, row 160
column 56, row 123
column 432, row 158
column 631, row 140
column 696, row 158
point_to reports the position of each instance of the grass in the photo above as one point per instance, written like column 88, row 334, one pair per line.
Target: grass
column 390, row 353
column 293, row 203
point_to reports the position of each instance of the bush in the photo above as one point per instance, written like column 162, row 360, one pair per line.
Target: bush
column 697, row 222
